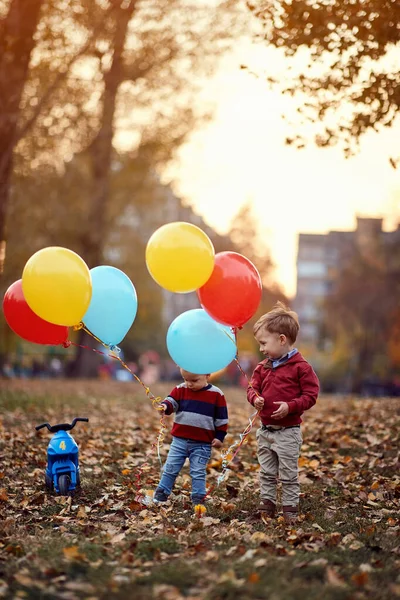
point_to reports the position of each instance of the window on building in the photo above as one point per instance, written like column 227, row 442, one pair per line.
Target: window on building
column 311, row 269
column 311, row 288
column 311, row 252
column 308, row 331
column 310, row 311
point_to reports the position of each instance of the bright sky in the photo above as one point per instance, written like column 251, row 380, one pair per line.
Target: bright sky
column 242, row 155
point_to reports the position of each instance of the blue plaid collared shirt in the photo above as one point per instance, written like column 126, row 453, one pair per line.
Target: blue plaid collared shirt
column 280, row 361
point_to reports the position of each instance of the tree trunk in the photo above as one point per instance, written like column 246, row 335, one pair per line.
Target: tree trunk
column 17, row 31
column 100, row 155
column 101, row 148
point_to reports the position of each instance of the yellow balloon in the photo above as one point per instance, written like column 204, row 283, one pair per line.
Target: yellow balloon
column 57, row 285
column 180, row 257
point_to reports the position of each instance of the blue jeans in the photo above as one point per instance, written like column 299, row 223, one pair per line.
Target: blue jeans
column 199, row 453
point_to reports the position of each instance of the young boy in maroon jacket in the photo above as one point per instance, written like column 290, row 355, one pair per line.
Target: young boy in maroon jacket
column 282, row 387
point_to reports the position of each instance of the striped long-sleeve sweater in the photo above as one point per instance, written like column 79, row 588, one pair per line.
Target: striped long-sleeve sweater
column 200, row 415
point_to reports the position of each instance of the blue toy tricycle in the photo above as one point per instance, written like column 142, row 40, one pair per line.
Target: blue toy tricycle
column 62, row 472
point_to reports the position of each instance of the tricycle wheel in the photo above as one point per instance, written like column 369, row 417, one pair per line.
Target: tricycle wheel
column 78, row 479
column 63, row 484
column 48, row 482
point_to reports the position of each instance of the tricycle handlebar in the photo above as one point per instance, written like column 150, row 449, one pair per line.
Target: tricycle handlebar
column 62, row 426
column 43, row 425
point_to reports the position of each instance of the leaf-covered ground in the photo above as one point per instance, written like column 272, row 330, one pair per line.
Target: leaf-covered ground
column 102, row 543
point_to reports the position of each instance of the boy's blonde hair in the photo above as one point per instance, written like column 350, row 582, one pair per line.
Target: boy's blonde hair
column 184, row 372
column 279, row 320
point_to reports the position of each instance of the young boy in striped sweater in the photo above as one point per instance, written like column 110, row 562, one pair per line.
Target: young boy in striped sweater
column 201, row 422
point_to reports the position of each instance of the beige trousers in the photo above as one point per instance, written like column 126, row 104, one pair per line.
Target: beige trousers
column 278, row 455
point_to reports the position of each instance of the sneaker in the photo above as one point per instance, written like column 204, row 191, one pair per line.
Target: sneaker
column 159, row 496
column 198, row 500
column 146, row 500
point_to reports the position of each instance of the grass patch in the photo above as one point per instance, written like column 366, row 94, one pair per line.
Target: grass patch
column 275, row 581
column 39, row 404
column 148, row 549
column 125, row 550
column 176, row 573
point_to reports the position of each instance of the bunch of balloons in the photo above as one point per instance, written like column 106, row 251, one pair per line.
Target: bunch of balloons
column 57, row 290
column 180, row 257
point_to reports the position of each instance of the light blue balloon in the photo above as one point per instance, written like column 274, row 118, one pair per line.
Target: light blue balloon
column 113, row 306
column 199, row 344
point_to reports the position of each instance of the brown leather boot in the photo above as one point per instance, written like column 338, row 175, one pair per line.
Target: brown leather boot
column 290, row 514
column 267, row 508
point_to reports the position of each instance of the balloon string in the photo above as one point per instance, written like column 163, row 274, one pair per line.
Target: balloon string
column 155, row 400
column 156, row 403
column 230, row 454
column 115, row 350
column 227, row 456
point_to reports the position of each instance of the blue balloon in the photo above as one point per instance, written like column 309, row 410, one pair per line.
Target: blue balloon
column 113, row 306
column 199, row 344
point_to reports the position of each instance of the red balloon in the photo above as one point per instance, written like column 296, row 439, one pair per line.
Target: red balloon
column 233, row 293
column 25, row 323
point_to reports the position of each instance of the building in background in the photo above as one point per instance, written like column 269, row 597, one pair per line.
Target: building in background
column 143, row 221
column 320, row 259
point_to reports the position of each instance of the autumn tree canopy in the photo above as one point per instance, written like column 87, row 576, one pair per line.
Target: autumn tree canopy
column 349, row 81
column 107, row 94
column 97, row 74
